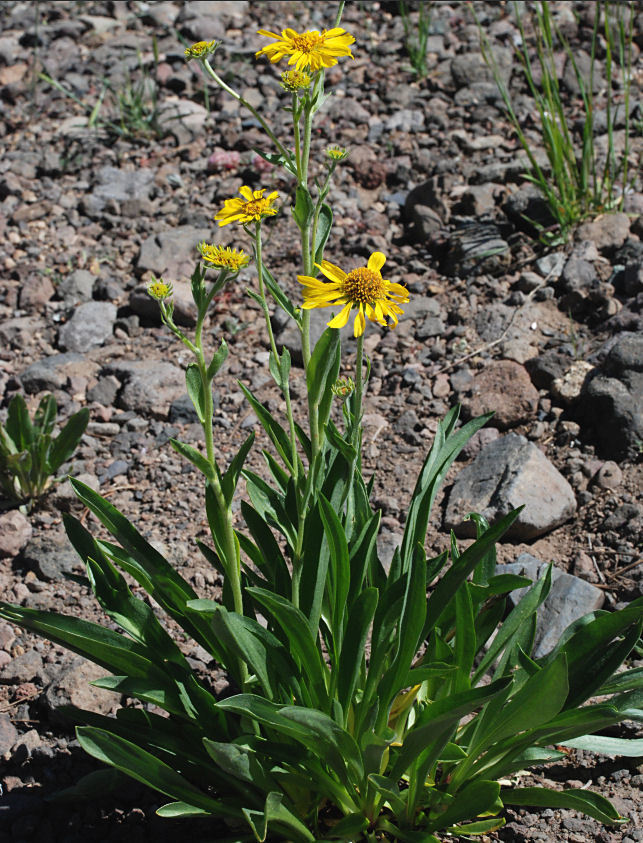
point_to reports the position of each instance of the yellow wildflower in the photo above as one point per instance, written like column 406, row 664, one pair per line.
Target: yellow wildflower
column 159, row 289
column 312, row 49
column 201, row 50
column 336, row 153
column 295, row 80
column 363, row 288
column 251, row 208
column 224, row 257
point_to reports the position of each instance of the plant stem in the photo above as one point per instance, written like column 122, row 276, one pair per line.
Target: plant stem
column 285, row 388
column 282, row 149
column 359, row 388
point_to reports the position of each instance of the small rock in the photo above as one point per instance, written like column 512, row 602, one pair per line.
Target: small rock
column 22, row 668
column 8, row 734
column 51, row 556
column 567, row 389
column 91, row 324
column 504, row 387
column 609, row 476
column 76, row 287
column 35, row 292
column 15, row 532
column 508, row 473
column 608, row 232
column 387, row 542
column 569, row 599
column 173, row 253
column 72, row 687
column 150, row 385
column 116, row 185
column 584, row 567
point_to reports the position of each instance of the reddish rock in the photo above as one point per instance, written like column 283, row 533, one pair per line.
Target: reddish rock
column 504, row 387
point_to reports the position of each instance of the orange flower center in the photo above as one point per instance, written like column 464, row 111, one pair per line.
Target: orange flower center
column 364, row 286
column 307, row 42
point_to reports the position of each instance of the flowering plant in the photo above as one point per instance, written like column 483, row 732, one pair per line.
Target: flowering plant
column 361, row 709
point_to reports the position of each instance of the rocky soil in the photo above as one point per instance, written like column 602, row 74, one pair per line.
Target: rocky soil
column 549, row 339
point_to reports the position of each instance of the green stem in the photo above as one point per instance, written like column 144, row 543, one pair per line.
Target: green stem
column 282, row 149
column 296, row 114
column 359, row 388
column 285, row 388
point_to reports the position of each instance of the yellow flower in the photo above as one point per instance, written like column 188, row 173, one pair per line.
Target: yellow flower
column 295, row 80
column 363, row 288
column 337, row 153
column 312, row 49
column 201, row 50
column 253, row 206
column 224, row 257
column 159, row 289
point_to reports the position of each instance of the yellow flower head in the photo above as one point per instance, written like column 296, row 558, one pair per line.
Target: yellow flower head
column 363, row 288
column 312, row 49
column 224, row 257
column 159, row 289
column 252, row 207
column 343, row 387
column 336, row 153
column 201, row 50
column 295, row 80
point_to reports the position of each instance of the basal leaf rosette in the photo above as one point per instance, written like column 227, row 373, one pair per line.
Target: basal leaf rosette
column 311, row 49
column 363, row 289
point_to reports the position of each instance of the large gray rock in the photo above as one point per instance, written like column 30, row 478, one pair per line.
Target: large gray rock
column 76, row 287
column 91, row 324
column 569, row 599
column 54, row 371
column 173, row 253
column 51, row 557
column 611, row 401
column 506, row 474
column 150, row 385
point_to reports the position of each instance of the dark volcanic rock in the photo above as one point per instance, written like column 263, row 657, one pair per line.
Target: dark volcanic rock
column 611, row 403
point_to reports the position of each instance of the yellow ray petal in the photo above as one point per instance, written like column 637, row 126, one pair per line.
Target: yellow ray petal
column 342, row 317
column 376, row 261
column 334, row 273
column 360, row 322
column 246, row 193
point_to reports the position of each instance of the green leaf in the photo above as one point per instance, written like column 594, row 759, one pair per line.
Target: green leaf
column 304, row 207
column 103, row 646
column 18, row 425
column 271, row 505
column 269, row 559
column 162, row 694
column 446, row 446
column 298, row 636
column 147, row 566
column 353, row 646
column 45, row 417
column 180, row 809
column 198, row 286
column 339, row 568
column 146, row 768
column 275, row 431
column 280, row 368
column 279, row 295
column 349, row 827
column 608, row 746
column 445, row 590
column 585, row 801
column 275, row 813
column 322, row 373
column 516, row 620
column 195, row 457
column 480, row 827
column 626, row 681
column 67, row 440
column 195, row 390
column 322, row 231
column 94, row 785
column 473, row 799
column 231, row 477
column 218, row 360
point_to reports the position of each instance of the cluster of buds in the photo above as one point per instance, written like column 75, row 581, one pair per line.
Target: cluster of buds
column 201, row 50
column 343, row 388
